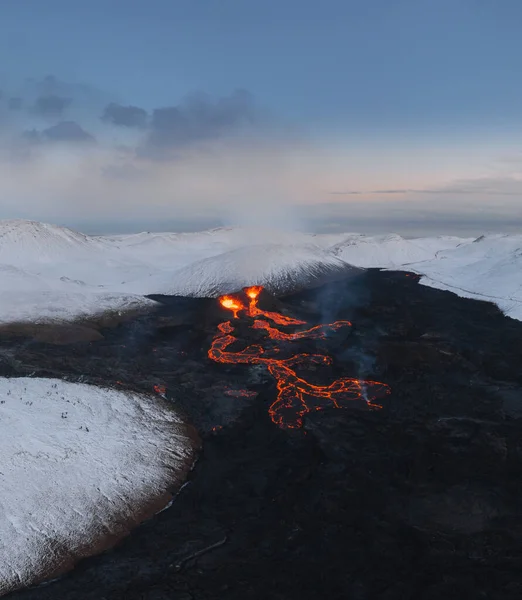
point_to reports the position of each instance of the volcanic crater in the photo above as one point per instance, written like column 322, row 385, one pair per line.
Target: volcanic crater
column 360, row 440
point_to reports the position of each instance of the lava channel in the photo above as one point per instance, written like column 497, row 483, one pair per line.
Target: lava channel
column 296, row 396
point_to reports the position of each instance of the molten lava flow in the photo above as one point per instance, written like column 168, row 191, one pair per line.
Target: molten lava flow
column 253, row 310
column 319, row 331
column 160, row 389
column 296, row 396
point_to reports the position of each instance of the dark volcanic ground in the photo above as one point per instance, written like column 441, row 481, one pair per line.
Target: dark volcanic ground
column 421, row 500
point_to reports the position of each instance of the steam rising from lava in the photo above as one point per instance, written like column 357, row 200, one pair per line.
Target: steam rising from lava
column 296, row 396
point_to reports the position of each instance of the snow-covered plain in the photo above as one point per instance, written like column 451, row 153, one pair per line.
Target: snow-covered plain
column 50, row 273
column 80, row 465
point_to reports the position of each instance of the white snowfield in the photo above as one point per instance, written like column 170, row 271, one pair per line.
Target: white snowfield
column 50, row 273
column 79, row 466
column 280, row 268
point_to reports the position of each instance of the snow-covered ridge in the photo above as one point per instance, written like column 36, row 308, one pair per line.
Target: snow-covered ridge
column 280, row 268
column 83, row 274
column 489, row 268
column 391, row 251
column 80, row 466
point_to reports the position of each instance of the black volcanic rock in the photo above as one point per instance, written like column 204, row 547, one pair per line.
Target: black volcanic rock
column 421, row 500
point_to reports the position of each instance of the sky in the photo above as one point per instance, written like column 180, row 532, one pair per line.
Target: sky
column 341, row 115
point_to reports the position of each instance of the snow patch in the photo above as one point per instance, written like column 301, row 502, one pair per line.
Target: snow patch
column 79, row 465
column 42, row 306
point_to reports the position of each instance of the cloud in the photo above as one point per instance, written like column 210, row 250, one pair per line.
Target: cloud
column 53, row 99
column 64, row 131
column 235, row 183
column 125, row 116
column 197, row 119
column 408, row 221
column 512, row 159
column 15, row 103
column 499, row 186
column 31, row 135
column 80, row 93
column 51, row 105
column 170, row 132
column 371, row 192
column 97, row 160
column 125, row 172
column 67, row 131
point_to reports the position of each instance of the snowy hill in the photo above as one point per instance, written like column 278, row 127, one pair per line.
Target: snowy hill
column 57, row 252
column 80, row 466
column 23, row 242
column 49, row 272
column 281, row 269
column 174, row 250
column 489, row 268
column 82, row 274
column 391, row 251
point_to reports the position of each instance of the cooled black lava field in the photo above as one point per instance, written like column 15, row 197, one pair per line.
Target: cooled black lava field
column 421, row 499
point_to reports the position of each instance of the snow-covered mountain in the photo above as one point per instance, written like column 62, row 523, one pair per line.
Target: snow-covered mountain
column 30, row 242
column 49, row 272
column 280, row 268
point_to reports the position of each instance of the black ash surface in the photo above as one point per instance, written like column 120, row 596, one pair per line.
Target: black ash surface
column 420, row 500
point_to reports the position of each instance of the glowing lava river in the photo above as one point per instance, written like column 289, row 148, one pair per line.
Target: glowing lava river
column 296, row 396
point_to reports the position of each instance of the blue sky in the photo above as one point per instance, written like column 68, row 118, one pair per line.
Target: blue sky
column 421, row 99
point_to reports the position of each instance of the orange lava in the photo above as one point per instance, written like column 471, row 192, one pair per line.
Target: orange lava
column 233, row 304
column 160, row 389
column 296, row 396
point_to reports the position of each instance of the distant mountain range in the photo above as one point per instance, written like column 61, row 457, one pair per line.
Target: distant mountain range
column 54, row 273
